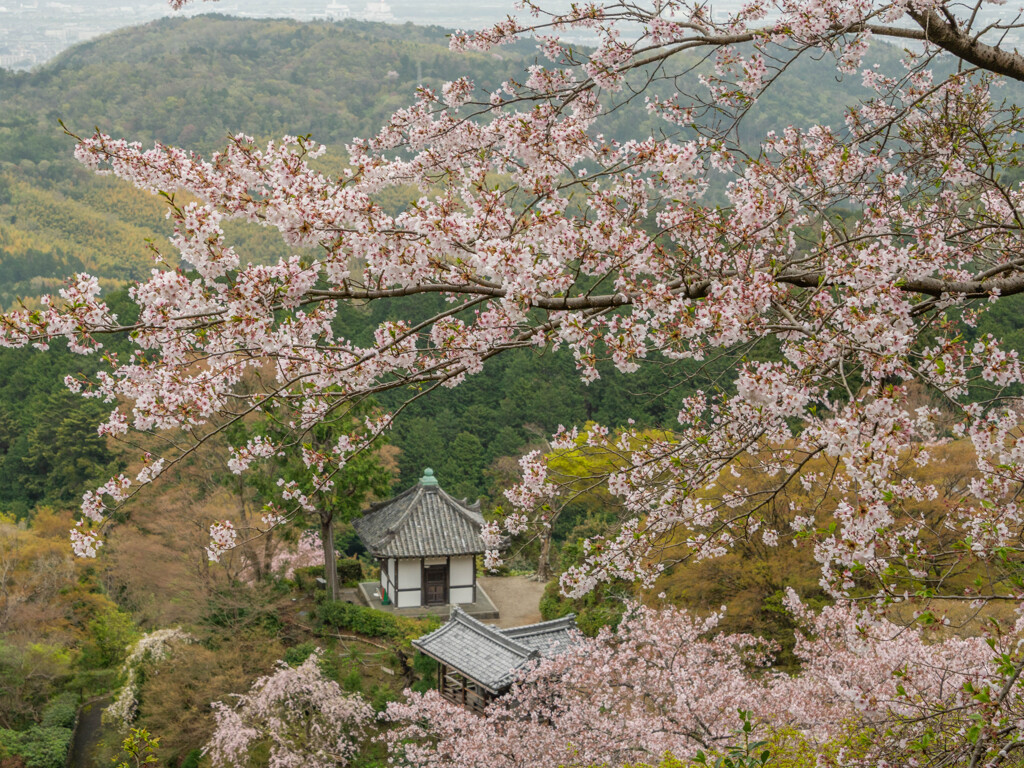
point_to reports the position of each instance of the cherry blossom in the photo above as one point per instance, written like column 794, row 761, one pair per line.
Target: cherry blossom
column 664, row 682
column 864, row 254
column 306, row 718
column 861, row 255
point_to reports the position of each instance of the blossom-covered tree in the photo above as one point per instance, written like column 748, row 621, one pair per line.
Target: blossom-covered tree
column 539, row 231
column 663, row 683
column 846, row 267
column 305, row 717
column 322, row 504
column 145, row 653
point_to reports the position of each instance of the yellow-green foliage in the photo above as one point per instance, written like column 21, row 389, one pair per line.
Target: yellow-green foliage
column 790, row 748
column 668, row 760
column 103, row 240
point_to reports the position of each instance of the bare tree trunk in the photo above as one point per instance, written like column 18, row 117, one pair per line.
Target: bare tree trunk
column 544, row 561
column 330, row 556
column 250, row 554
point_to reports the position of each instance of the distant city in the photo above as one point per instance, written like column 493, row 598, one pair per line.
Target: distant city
column 34, row 31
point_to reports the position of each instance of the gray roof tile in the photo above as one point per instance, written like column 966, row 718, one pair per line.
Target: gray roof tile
column 423, row 521
column 493, row 656
column 549, row 638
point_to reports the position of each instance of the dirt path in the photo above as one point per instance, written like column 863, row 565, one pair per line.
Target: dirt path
column 88, row 731
column 516, row 598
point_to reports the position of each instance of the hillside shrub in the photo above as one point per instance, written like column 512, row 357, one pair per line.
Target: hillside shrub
column 367, row 621
column 306, row 577
column 110, row 635
column 599, row 608
column 60, row 711
column 350, row 572
column 426, row 668
column 297, row 654
column 352, row 681
column 38, row 747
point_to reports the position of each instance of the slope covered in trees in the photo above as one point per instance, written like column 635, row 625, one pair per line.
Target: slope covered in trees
column 849, row 275
column 193, row 82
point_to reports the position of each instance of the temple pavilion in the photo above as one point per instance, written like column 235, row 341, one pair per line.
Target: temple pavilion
column 479, row 662
column 426, row 543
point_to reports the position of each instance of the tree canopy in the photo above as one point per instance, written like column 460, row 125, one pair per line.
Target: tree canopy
column 843, row 271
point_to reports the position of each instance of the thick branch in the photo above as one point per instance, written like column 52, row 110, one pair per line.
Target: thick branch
column 929, row 286
column 969, row 48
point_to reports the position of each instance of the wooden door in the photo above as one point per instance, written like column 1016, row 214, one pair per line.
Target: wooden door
column 435, row 584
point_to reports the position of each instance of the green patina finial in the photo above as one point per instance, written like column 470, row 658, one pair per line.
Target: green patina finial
column 428, row 477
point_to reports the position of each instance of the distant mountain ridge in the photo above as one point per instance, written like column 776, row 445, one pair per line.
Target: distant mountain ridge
column 192, row 83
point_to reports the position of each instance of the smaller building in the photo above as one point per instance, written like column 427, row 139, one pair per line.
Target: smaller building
column 479, row 662
column 426, row 543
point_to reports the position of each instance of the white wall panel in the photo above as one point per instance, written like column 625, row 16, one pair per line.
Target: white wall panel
column 461, row 572
column 408, row 574
column 409, row 599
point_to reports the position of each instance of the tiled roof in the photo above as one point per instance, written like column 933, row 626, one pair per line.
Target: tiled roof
column 550, row 638
column 492, row 656
column 423, row 521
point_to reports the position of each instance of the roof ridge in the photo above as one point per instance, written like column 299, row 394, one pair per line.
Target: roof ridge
column 475, row 517
column 568, row 621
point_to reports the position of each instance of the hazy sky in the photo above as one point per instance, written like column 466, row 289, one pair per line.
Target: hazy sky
column 33, row 31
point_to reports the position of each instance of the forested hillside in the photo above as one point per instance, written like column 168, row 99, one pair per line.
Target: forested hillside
column 194, row 82
column 190, row 83
column 68, row 627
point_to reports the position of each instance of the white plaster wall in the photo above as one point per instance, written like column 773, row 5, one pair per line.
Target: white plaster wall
column 409, row 574
column 387, row 577
column 461, row 571
column 409, row 599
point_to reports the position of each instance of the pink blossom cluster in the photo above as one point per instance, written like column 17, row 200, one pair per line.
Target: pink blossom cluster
column 308, row 551
column 665, row 682
column 304, row 717
column 539, row 230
